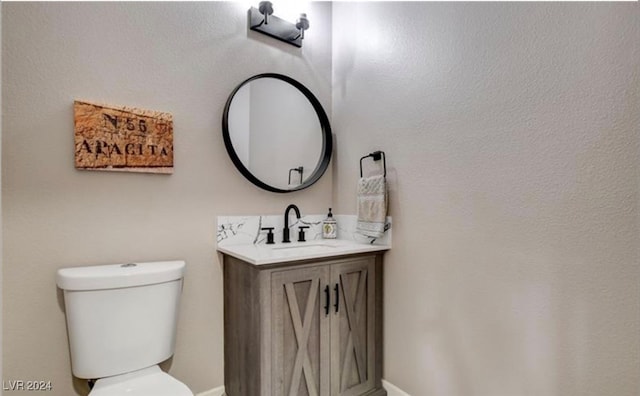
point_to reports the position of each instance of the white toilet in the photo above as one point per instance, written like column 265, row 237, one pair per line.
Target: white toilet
column 122, row 322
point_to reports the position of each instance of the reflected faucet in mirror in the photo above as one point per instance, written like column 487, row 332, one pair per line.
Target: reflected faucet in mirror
column 285, row 230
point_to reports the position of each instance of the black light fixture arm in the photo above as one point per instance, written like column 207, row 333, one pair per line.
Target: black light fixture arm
column 302, row 24
column 266, row 9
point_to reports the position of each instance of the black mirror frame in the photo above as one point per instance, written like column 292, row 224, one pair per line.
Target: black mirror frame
column 327, row 139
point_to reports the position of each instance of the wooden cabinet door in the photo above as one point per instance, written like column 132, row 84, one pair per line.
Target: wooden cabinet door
column 353, row 327
column 300, row 332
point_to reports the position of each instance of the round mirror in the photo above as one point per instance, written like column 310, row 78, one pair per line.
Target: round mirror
column 276, row 133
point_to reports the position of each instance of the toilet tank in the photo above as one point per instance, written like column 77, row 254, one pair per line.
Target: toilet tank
column 121, row 317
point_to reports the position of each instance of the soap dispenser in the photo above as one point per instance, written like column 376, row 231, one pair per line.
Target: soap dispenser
column 329, row 227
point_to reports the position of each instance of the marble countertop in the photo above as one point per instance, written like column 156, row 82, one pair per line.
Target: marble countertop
column 260, row 254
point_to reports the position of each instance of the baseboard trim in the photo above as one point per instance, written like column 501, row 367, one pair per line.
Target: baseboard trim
column 393, row 390
column 219, row 391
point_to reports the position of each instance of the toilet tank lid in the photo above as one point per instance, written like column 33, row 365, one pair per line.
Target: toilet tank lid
column 114, row 276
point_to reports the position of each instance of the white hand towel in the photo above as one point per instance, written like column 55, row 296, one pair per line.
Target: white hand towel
column 372, row 206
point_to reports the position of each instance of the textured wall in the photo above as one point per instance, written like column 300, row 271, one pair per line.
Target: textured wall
column 512, row 138
column 182, row 58
column 511, row 133
column 1, row 228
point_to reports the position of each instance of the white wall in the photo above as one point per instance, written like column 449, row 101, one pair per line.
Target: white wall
column 511, row 134
column 183, row 58
column 1, row 227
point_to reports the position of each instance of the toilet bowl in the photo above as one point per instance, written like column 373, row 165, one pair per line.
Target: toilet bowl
column 150, row 381
column 121, row 321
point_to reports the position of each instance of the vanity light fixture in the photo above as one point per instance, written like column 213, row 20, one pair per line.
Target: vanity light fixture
column 261, row 20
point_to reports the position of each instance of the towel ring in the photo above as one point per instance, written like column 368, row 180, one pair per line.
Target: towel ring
column 376, row 155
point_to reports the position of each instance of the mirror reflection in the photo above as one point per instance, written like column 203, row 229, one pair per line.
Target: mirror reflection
column 277, row 133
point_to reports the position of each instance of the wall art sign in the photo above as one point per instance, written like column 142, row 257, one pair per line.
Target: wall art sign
column 122, row 138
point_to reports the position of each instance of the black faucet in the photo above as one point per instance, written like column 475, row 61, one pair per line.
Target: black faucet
column 285, row 230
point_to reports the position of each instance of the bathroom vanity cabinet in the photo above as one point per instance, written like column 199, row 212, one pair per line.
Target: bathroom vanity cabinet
column 304, row 328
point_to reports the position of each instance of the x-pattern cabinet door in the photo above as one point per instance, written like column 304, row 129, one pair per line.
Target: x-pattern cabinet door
column 353, row 327
column 301, row 331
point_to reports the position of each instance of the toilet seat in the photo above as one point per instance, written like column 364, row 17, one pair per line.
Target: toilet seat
column 150, row 381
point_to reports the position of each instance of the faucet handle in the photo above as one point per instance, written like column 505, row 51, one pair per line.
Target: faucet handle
column 269, row 235
column 301, row 233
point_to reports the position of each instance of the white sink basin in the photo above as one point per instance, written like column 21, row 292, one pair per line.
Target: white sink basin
column 284, row 252
column 310, row 246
